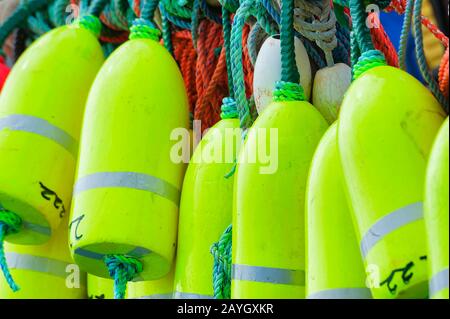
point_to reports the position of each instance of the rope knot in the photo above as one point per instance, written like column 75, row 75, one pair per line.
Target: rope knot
column 10, row 223
column 123, row 269
column 229, row 108
column 91, row 23
column 288, row 91
column 221, row 252
column 368, row 60
column 144, row 29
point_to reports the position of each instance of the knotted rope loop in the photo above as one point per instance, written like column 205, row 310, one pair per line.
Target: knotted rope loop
column 288, row 91
column 10, row 223
column 221, row 252
column 122, row 269
column 368, row 60
column 229, row 108
column 91, row 23
column 144, row 29
column 317, row 22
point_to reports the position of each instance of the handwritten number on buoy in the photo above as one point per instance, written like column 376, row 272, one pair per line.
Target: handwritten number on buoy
column 406, row 276
column 76, row 221
column 47, row 194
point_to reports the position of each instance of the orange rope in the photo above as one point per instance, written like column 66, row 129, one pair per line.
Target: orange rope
column 382, row 42
column 443, row 74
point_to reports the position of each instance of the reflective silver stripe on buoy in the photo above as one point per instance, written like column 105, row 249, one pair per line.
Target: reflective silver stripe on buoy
column 269, row 275
column 342, row 293
column 36, row 125
column 390, row 223
column 36, row 263
column 136, row 252
column 438, row 282
column 37, row 228
column 187, row 295
column 129, row 180
column 156, row 296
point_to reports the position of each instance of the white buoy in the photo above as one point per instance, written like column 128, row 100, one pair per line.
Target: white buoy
column 268, row 70
column 330, row 85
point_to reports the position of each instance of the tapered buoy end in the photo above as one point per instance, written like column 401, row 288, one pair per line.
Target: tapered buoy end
column 221, row 252
column 10, row 223
column 122, row 269
column 144, row 29
column 91, row 23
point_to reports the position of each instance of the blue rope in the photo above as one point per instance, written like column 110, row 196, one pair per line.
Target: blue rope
column 420, row 56
column 181, row 23
column 210, row 13
column 404, row 35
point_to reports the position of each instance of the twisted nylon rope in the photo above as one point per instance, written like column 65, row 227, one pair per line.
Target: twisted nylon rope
column 144, row 29
column 91, row 23
column 420, row 56
column 221, row 252
column 288, row 89
column 317, row 22
column 10, row 223
column 361, row 41
column 122, row 269
column 443, row 74
column 404, row 35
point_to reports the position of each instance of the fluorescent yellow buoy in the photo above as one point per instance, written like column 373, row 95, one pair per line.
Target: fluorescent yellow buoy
column 268, row 250
column 100, row 288
column 436, row 215
column 268, row 70
column 41, row 109
column 387, row 123
column 206, row 206
column 128, row 181
column 334, row 264
column 154, row 289
column 44, row 271
column 330, row 85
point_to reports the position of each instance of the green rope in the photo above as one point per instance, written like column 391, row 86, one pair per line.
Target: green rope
column 226, row 24
column 288, row 91
column 289, row 71
column 167, row 33
column 122, row 269
column 91, row 23
column 195, row 21
column 362, row 42
column 404, row 35
column 229, row 109
column 221, row 252
column 148, row 10
column 144, row 29
column 10, row 223
column 97, row 7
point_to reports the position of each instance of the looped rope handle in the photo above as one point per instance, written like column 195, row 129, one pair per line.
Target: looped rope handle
column 10, row 223
column 122, row 269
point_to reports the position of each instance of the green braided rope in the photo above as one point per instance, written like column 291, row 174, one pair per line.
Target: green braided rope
column 405, row 34
column 149, row 9
column 123, row 269
column 97, row 7
column 289, row 71
column 195, row 20
column 221, row 252
column 288, row 91
column 91, row 23
column 229, row 109
column 226, row 24
column 244, row 11
column 144, row 29
column 177, row 9
column 368, row 60
column 167, row 34
column 359, row 25
column 10, row 223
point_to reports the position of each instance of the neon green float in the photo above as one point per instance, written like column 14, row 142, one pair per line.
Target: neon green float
column 268, row 216
column 206, row 208
column 387, row 124
column 44, row 271
column 41, row 108
column 127, row 188
column 153, row 289
column 334, row 265
column 436, row 215
column 100, row 288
